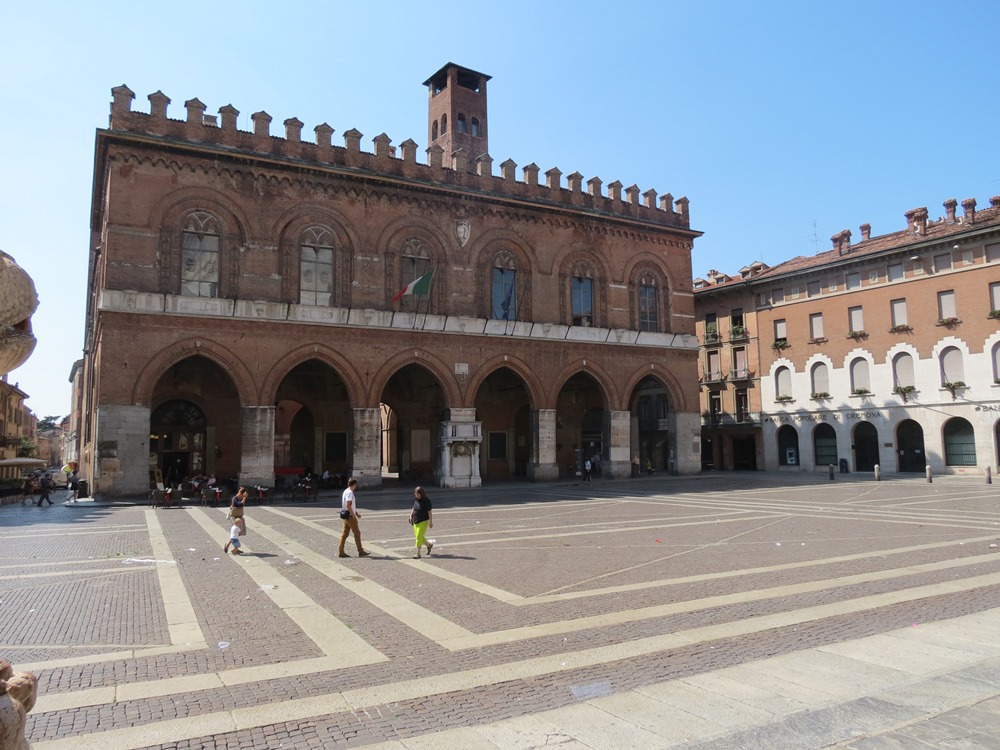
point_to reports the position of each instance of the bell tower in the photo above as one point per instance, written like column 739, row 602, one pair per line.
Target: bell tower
column 456, row 112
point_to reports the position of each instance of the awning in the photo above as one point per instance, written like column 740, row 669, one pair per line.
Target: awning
column 22, row 462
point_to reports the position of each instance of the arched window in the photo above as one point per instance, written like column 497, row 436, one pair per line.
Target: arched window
column 783, row 383
column 200, row 264
column 582, row 295
column 475, row 127
column 316, row 267
column 860, row 382
column 434, row 130
column 444, row 124
column 959, row 443
column 902, row 371
column 415, row 265
column 504, row 286
column 952, row 369
column 820, row 377
column 996, row 363
column 460, row 123
column 649, row 303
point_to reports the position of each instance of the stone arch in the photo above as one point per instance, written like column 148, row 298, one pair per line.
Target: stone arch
column 646, row 271
column 289, row 229
column 168, row 218
column 580, row 260
column 390, row 246
column 149, row 375
column 533, row 385
column 609, row 393
column 378, row 380
column 675, row 394
column 484, row 254
column 327, row 355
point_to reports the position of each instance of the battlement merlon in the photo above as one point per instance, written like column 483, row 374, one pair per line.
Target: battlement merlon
column 459, row 169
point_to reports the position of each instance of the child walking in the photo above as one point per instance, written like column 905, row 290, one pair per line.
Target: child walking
column 237, row 530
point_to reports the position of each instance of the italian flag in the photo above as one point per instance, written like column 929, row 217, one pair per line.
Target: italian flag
column 420, row 285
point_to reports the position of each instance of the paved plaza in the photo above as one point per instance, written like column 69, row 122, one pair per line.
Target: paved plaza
column 720, row 612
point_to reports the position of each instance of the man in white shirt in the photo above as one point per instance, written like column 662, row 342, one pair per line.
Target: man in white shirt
column 349, row 513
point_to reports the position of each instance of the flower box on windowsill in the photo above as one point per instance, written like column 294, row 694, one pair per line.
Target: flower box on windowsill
column 861, row 392
column 901, row 328
column 818, row 340
column 780, row 344
column 737, row 332
column 995, row 314
column 904, row 391
column 821, row 396
column 958, row 385
column 857, row 335
column 783, row 399
column 948, row 322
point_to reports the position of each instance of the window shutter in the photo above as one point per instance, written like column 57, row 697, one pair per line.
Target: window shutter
column 821, row 379
column 859, row 374
column 951, row 365
column 995, row 296
column 857, row 319
column 816, row 325
column 898, row 307
column 779, row 329
column 740, row 359
column 946, row 304
column 784, row 381
column 903, row 370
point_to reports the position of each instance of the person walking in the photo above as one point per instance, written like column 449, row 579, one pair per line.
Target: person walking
column 422, row 518
column 28, row 490
column 586, row 470
column 238, row 503
column 237, row 530
column 45, row 486
column 74, row 486
column 349, row 514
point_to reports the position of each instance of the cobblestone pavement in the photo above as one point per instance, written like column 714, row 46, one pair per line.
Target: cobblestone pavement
column 710, row 613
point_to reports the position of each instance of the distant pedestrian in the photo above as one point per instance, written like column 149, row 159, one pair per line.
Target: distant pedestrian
column 28, row 490
column 586, row 470
column 237, row 530
column 422, row 518
column 649, row 466
column 74, row 486
column 45, row 487
column 349, row 514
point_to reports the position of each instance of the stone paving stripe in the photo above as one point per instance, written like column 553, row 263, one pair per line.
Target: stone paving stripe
column 528, row 733
column 419, row 619
column 906, row 655
column 125, row 655
column 182, row 622
column 663, row 610
column 721, row 709
column 330, row 634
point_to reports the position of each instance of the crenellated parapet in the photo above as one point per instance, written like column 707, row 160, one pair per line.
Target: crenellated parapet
column 460, row 169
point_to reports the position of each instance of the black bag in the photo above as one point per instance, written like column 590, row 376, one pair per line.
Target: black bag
column 345, row 514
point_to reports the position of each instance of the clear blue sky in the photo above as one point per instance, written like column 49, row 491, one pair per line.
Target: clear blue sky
column 782, row 122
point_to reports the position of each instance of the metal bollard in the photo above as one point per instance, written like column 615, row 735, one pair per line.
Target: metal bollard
column 989, row 475
column 878, row 473
column 927, row 471
column 831, row 472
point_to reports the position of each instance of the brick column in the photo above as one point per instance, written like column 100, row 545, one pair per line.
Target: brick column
column 542, row 464
column 257, row 447
column 367, row 452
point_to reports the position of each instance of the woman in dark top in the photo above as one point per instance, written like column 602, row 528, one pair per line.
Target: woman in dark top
column 422, row 519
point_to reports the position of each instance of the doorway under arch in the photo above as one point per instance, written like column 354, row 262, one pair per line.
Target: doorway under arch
column 910, row 446
column 865, row 447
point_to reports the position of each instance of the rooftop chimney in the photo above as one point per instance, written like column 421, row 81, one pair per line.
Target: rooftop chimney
column 949, row 206
column 969, row 206
column 866, row 232
column 995, row 201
